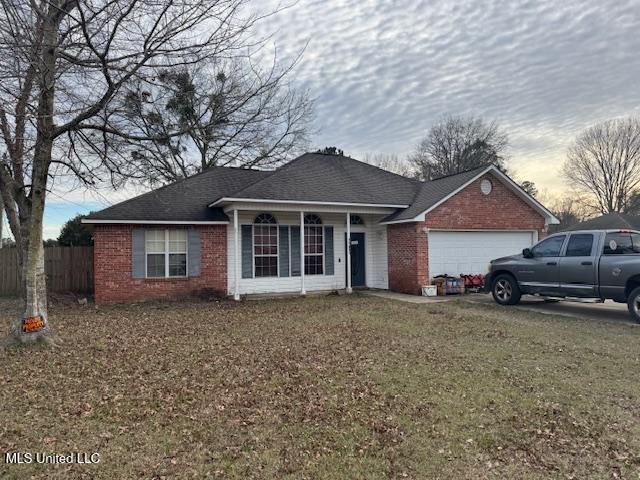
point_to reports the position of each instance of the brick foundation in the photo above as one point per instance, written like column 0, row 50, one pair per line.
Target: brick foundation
column 113, row 276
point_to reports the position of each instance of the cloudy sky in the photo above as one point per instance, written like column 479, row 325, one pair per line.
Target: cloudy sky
column 382, row 71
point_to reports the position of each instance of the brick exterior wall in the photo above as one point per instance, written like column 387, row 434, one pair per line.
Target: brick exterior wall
column 469, row 209
column 113, row 276
column 407, row 257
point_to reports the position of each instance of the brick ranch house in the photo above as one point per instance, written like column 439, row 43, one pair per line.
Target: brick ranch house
column 236, row 231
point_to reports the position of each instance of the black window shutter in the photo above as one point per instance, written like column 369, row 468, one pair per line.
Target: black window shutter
column 328, row 251
column 295, row 251
column 247, row 251
column 283, row 251
column 193, row 252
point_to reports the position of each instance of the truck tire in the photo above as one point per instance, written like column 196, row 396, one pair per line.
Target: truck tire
column 633, row 302
column 505, row 290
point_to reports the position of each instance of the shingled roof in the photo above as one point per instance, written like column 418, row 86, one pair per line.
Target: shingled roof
column 312, row 178
column 609, row 221
column 315, row 177
column 185, row 200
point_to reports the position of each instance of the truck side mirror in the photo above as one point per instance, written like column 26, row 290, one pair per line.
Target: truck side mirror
column 527, row 253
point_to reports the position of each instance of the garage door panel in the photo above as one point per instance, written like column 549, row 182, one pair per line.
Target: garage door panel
column 454, row 253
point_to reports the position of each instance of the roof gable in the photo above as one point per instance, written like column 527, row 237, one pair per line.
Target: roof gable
column 435, row 192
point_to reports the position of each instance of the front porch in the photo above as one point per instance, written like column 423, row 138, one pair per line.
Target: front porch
column 267, row 254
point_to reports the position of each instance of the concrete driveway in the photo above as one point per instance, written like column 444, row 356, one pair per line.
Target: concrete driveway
column 607, row 311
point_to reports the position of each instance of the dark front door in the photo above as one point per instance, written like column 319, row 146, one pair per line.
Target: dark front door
column 357, row 260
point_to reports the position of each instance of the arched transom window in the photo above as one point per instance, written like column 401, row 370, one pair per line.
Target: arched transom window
column 356, row 220
column 313, row 245
column 265, row 245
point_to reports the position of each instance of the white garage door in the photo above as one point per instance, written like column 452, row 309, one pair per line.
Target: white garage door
column 454, row 253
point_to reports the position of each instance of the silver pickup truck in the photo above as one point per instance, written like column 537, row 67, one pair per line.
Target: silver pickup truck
column 590, row 264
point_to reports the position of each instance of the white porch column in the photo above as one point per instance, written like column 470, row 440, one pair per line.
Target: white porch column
column 302, row 289
column 348, row 246
column 236, row 256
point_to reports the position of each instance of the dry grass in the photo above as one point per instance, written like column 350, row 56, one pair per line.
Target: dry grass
column 325, row 387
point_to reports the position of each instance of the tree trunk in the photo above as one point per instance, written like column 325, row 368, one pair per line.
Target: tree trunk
column 32, row 323
column 1, row 219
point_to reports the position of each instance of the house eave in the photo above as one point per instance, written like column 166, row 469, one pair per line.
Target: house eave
column 303, row 202
column 152, row 222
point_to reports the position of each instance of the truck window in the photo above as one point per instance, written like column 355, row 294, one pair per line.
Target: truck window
column 621, row 243
column 579, row 245
column 549, row 248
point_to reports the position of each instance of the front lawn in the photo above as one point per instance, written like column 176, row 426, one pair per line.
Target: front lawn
column 324, row 387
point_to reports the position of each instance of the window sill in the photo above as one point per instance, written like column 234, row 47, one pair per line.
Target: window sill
column 165, row 279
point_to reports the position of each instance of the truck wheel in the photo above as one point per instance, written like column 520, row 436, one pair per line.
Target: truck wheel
column 633, row 302
column 505, row 290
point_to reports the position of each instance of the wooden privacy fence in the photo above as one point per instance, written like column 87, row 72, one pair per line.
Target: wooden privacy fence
column 69, row 269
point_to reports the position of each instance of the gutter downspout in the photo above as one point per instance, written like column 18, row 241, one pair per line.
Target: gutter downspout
column 348, row 247
column 236, row 257
column 302, row 289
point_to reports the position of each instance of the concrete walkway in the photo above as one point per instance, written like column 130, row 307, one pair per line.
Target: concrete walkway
column 403, row 297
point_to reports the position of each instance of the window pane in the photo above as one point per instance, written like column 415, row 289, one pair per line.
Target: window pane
column 178, row 247
column 155, row 247
column 579, row 245
column 155, row 241
column 313, row 242
column 178, row 241
column 155, row 265
column 619, row 243
column 550, row 247
column 265, row 249
column 155, row 235
column 313, row 265
column 177, row 235
column 266, row 266
column 177, row 265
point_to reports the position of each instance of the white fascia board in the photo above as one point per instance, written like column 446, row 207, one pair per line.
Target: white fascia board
column 551, row 219
column 419, row 218
column 299, row 202
column 151, row 222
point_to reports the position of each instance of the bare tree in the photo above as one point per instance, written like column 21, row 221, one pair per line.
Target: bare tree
column 389, row 162
column 231, row 113
column 456, row 144
column 1, row 221
column 65, row 66
column 569, row 210
column 604, row 162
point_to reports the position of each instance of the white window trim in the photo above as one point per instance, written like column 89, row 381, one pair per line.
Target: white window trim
column 290, row 271
column 253, row 249
column 324, row 267
column 166, row 254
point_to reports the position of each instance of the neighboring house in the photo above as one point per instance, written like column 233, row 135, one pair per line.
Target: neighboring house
column 608, row 221
column 237, row 231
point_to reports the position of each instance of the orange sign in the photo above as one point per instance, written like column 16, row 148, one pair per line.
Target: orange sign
column 32, row 324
